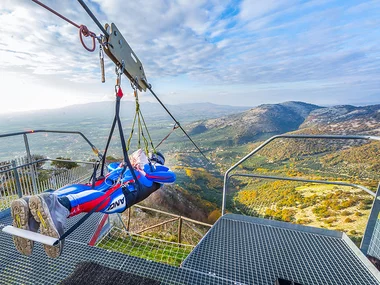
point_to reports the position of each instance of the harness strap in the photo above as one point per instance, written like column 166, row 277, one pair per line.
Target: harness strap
column 85, row 217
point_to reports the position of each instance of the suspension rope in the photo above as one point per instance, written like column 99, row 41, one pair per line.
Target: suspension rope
column 83, row 30
column 168, row 135
column 177, row 123
column 147, row 131
column 132, row 131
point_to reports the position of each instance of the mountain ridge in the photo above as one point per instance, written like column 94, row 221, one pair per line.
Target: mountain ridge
column 345, row 119
column 266, row 119
column 104, row 112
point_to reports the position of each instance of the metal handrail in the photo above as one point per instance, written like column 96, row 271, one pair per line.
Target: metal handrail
column 30, row 161
column 331, row 137
column 174, row 218
column 173, row 215
column 43, row 160
column 25, row 133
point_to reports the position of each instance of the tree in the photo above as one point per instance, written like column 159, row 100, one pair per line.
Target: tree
column 214, row 216
column 36, row 157
column 64, row 164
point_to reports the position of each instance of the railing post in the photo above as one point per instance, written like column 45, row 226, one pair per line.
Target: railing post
column 17, row 179
column 372, row 220
column 29, row 160
column 129, row 218
column 179, row 229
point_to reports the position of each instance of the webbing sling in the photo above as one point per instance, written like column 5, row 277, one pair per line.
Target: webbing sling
column 141, row 125
column 126, row 160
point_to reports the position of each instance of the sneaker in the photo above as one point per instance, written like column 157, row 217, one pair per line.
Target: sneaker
column 52, row 217
column 22, row 219
column 157, row 157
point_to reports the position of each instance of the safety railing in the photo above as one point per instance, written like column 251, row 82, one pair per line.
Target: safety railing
column 19, row 178
column 26, row 176
column 372, row 230
column 26, row 140
column 185, row 230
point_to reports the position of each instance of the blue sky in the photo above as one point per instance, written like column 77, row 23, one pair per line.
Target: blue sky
column 225, row 52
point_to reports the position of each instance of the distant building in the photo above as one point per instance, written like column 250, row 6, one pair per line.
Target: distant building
column 4, row 165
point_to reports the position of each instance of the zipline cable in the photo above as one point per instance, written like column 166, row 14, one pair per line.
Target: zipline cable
column 94, row 18
column 83, row 30
column 147, row 84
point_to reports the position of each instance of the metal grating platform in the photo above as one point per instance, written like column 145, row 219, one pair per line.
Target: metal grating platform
column 257, row 251
column 82, row 234
column 374, row 246
column 39, row 269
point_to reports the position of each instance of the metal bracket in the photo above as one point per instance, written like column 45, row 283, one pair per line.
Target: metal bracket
column 118, row 50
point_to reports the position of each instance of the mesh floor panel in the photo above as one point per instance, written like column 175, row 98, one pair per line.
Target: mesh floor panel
column 39, row 269
column 374, row 246
column 82, row 234
column 257, row 251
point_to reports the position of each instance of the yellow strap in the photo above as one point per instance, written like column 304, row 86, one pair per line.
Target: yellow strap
column 41, row 219
column 18, row 221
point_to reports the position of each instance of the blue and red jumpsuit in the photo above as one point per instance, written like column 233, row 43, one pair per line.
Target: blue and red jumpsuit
column 125, row 193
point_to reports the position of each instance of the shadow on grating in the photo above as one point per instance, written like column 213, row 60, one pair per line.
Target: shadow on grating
column 91, row 273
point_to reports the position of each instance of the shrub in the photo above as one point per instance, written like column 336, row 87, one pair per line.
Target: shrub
column 304, row 221
column 357, row 240
column 330, row 220
column 348, row 220
column 214, row 215
column 110, row 158
column 323, row 212
column 367, row 201
column 363, row 206
column 348, row 203
column 64, row 164
column 346, row 213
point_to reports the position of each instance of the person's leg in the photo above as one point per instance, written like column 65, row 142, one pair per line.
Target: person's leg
column 52, row 216
column 87, row 200
column 52, row 210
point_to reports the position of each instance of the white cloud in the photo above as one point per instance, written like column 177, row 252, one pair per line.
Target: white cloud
column 251, row 10
column 263, row 42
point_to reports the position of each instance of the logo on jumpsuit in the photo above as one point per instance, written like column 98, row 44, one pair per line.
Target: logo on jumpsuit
column 118, row 204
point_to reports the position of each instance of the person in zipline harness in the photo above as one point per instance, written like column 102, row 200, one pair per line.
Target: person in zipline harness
column 116, row 192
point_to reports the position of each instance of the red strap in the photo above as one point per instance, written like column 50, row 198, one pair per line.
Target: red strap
column 119, row 93
column 98, row 230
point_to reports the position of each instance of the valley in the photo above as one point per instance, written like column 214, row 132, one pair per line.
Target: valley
column 225, row 139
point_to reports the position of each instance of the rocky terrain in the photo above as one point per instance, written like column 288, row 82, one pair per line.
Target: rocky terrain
column 345, row 119
column 271, row 119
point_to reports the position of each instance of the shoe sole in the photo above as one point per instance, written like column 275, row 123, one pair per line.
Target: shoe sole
column 41, row 214
column 20, row 214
